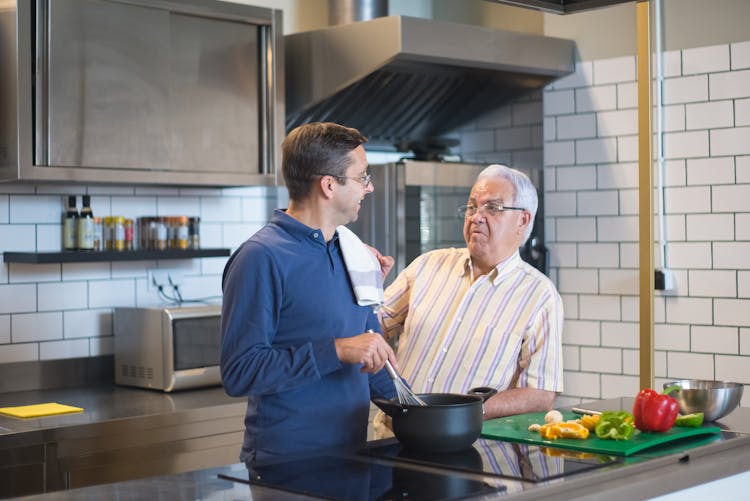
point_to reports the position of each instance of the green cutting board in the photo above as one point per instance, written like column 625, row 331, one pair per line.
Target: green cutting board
column 516, row 429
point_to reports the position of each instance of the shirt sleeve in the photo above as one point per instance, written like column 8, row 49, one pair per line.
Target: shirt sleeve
column 540, row 359
column 250, row 364
column 395, row 307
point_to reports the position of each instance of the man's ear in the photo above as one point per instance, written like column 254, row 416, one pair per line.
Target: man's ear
column 326, row 184
column 524, row 221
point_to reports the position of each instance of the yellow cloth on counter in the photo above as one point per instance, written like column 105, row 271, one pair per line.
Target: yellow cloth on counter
column 39, row 410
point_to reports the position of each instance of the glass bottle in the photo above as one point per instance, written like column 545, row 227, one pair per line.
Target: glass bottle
column 160, row 234
column 194, row 232
column 108, row 233
column 182, row 236
column 129, row 234
column 70, row 223
column 85, row 234
column 98, row 243
column 118, row 235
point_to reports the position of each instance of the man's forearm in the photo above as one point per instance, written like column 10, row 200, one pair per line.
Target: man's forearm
column 518, row 401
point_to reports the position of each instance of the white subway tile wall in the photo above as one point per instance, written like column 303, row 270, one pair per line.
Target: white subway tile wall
column 702, row 327
column 615, row 70
column 54, row 311
column 5, row 329
column 4, row 208
column 622, row 335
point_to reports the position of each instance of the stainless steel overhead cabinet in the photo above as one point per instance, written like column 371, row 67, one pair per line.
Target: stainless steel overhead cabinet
column 140, row 91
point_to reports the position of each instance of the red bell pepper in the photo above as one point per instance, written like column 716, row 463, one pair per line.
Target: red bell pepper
column 655, row 411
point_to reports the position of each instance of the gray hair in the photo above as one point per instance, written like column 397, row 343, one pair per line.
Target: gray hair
column 524, row 191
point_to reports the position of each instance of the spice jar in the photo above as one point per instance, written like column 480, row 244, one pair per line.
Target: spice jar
column 98, row 243
column 182, row 236
column 144, row 235
column 194, row 232
column 108, row 233
column 128, row 225
column 159, row 233
column 119, row 233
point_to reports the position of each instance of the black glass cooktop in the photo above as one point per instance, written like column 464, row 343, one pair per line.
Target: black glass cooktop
column 359, row 479
column 502, row 459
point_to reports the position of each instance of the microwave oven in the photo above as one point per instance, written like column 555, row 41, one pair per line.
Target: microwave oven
column 167, row 348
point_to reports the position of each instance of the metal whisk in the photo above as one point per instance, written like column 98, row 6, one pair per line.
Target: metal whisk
column 405, row 395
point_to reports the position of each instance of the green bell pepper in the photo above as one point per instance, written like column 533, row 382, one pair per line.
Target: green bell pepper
column 615, row 425
column 689, row 420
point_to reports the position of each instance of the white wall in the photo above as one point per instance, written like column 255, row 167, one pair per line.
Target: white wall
column 702, row 329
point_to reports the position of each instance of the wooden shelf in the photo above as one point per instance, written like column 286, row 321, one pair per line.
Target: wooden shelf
column 98, row 256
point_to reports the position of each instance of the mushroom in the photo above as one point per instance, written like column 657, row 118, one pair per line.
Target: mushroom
column 553, row 416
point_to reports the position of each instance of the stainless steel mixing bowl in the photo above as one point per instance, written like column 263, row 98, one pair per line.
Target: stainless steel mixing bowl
column 715, row 399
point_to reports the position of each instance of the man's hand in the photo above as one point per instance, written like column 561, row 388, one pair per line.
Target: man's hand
column 386, row 262
column 368, row 349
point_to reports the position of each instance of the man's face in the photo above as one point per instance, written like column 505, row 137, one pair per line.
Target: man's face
column 349, row 196
column 491, row 238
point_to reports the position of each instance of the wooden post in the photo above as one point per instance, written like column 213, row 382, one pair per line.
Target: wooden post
column 645, row 195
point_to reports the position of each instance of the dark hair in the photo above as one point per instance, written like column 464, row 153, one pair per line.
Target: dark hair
column 316, row 148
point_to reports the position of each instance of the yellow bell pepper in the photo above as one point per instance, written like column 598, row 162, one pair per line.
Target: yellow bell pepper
column 553, row 431
column 589, row 421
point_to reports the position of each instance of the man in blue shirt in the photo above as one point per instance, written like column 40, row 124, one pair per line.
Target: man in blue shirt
column 294, row 339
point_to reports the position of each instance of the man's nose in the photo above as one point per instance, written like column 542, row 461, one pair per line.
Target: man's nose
column 478, row 215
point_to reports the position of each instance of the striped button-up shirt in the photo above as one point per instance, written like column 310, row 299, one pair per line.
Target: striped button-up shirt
column 502, row 330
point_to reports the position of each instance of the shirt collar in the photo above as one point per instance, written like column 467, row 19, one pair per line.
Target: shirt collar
column 298, row 230
column 499, row 272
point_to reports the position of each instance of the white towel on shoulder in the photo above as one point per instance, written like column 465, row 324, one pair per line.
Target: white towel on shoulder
column 363, row 268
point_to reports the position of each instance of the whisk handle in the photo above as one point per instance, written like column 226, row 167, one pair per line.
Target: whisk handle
column 391, row 371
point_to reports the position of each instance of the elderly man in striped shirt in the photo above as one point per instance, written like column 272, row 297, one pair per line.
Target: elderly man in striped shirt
column 481, row 316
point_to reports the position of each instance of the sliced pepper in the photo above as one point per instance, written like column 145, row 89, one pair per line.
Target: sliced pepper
column 553, row 431
column 615, row 425
column 589, row 421
column 552, row 452
column 690, row 420
column 655, row 411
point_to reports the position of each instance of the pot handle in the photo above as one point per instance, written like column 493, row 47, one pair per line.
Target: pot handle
column 483, row 391
column 389, row 407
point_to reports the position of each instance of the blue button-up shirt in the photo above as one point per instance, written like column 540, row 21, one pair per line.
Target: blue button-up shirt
column 287, row 296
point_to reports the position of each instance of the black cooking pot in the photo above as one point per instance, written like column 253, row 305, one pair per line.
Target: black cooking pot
column 449, row 422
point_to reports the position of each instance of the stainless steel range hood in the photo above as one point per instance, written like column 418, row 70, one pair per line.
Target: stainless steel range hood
column 401, row 79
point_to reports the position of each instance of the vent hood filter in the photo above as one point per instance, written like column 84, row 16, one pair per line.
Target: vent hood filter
column 400, row 79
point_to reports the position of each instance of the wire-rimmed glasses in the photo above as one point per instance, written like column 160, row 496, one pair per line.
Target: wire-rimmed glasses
column 489, row 208
column 365, row 180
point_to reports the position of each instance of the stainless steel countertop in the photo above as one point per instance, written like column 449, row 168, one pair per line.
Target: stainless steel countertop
column 109, row 403
column 650, row 477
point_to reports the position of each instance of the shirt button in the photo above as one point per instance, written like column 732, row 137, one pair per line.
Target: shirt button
column 315, row 235
column 445, row 350
column 430, row 380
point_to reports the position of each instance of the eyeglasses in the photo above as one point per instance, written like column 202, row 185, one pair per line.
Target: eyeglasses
column 490, row 208
column 364, row 180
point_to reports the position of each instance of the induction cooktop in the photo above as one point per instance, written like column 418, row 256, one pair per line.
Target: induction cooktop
column 495, row 458
column 359, row 479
